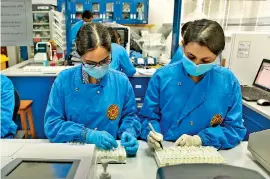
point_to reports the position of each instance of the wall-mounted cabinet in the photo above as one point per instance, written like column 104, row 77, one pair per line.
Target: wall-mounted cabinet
column 119, row 11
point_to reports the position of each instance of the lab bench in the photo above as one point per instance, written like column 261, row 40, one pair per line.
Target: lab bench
column 142, row 166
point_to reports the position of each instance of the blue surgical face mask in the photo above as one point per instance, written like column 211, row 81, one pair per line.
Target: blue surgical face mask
column 97, row 72
column 196, row 70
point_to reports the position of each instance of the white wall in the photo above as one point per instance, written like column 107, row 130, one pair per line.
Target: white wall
column 160, row 11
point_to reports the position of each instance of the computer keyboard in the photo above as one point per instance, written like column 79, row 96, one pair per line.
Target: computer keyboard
column 254, row 94
column 191, row 154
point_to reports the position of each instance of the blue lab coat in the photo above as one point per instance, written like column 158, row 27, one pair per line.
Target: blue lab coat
column 75, row 107
column 8, row 127
column 178, row 55
column 176, row 105
column 121, row 61
column 75, row 29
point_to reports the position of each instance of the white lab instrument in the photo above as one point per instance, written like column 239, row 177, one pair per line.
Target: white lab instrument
column 187, row 154
column 117, row 155
column 259, row 146
column 40, row 160
column 44, row 53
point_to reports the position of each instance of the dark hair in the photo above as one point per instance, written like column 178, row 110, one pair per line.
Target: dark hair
column 114, row 35
column 91, row 36
column 87, row 14
column 207, row 33
column 185, row 27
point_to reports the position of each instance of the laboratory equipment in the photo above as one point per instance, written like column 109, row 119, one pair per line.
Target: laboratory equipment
column 206, row 171
column 40, row 168
column 117, row 155
column 124, row 32
column 47, row 160
column 43, row 52
column 261, row 84
column 187, row 154
column 259, row 146
column 156, row 44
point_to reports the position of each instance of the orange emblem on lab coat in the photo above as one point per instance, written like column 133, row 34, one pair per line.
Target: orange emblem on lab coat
column 113, row 112
column 216, row 120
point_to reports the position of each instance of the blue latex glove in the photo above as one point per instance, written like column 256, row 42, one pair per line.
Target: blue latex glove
column 130, row 143
column 101, row 139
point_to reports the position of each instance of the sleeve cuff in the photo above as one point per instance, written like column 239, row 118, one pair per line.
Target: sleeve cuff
column 82, row 137
column 204, row 138
column 130, row 131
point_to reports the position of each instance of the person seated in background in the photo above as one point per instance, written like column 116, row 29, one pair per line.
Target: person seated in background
column 179, row 53
column 8, row 127
column 87, row 17
column 91, row 103
column 194, row 101
column 120, row 57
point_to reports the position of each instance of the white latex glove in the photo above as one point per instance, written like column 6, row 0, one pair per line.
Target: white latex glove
column 187, row 140
column 153, row 140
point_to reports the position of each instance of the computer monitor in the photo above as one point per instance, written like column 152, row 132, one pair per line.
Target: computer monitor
column 262, row 79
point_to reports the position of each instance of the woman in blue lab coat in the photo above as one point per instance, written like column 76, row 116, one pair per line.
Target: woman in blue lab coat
column 120, row 57
column 194, row 101
column 8, row 127
column 90, row 103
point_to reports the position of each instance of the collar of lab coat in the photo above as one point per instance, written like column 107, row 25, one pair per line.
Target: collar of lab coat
column 79, row 78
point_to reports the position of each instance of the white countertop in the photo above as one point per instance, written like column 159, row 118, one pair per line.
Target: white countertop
column 17, row 70
column 144, row 164
column 263, row 110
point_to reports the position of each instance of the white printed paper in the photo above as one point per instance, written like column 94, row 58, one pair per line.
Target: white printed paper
column 16, row 23
column 243, row 49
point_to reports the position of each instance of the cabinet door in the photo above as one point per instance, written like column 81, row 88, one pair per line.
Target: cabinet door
column 141, row 11
column 78, row 10
column 97, row 9
column 111, row 9
column 126, row 12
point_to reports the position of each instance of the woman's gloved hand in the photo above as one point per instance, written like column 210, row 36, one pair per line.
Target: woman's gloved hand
column 187, row 140
column 153, row 140
column 130, row 143
column 101, row 139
